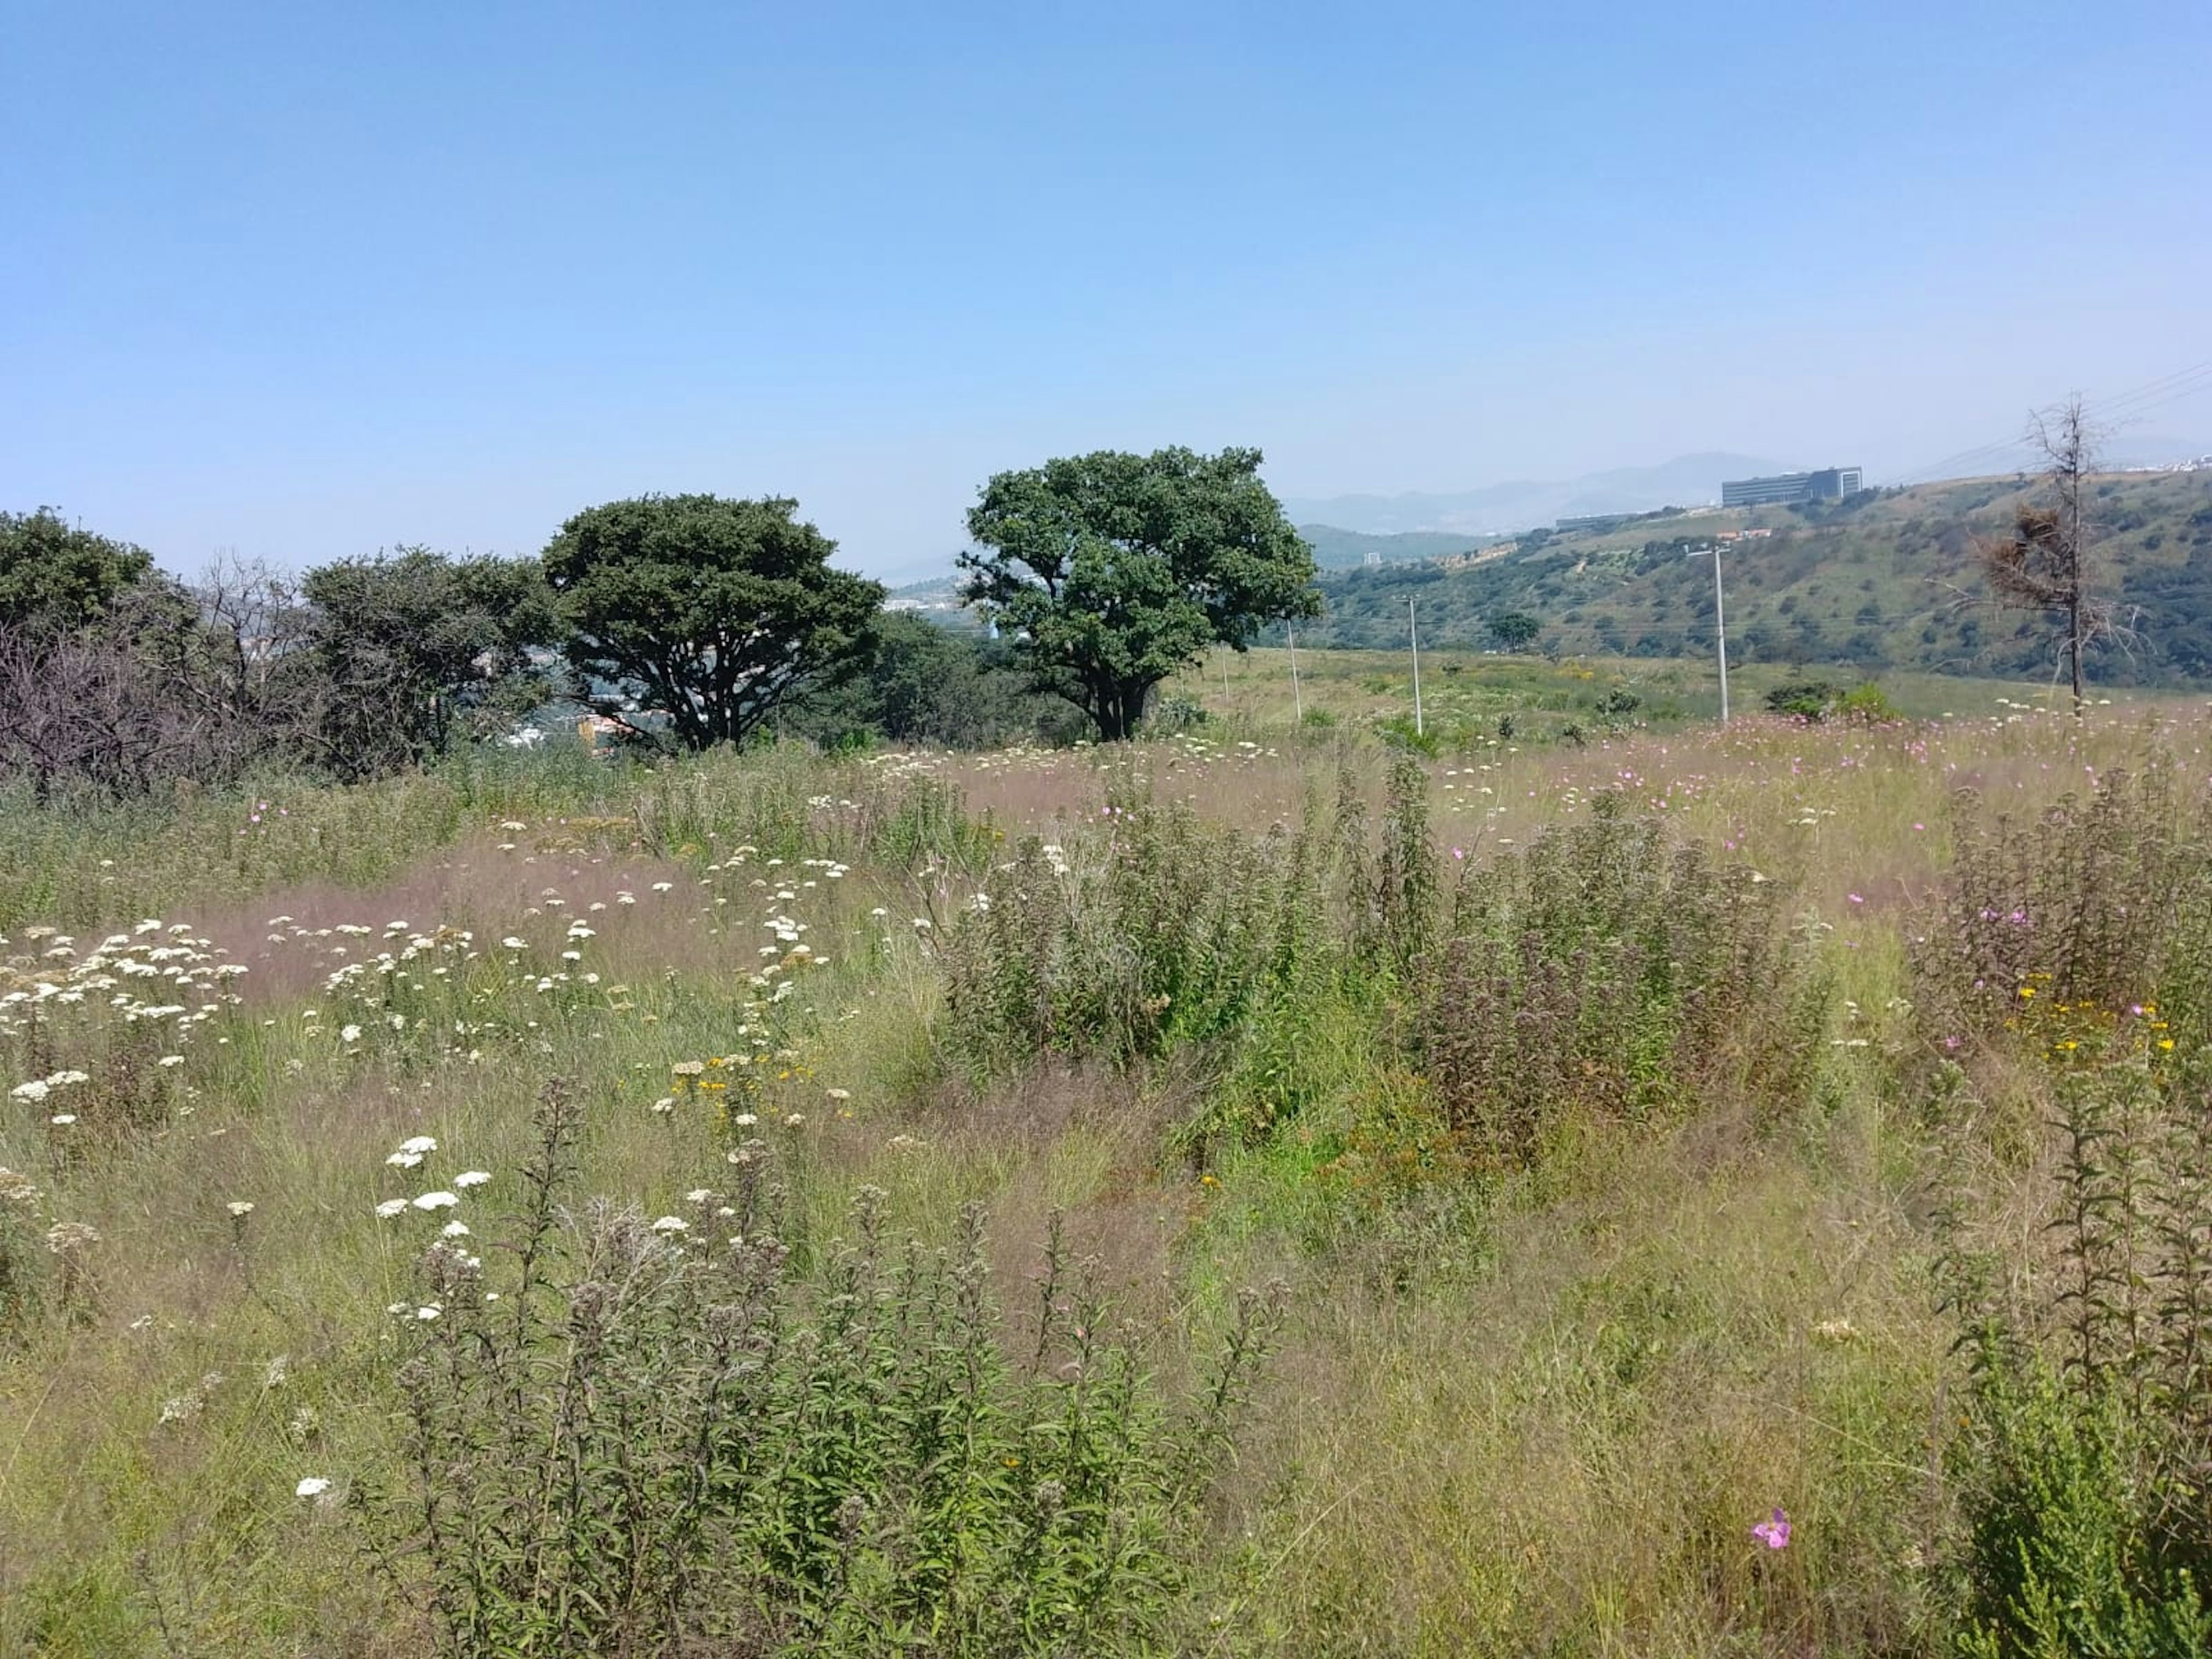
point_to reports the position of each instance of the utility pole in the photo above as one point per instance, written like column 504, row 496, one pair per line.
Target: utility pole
column 1413, row 630
column 1298, row 697
column 1720, row 625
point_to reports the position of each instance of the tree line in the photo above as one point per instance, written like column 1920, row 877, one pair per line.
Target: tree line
column 680, row 621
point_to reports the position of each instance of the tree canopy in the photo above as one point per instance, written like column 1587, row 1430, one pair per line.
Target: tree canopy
column 1112, row 570
column 410, row 642
column 56, row 577
column 709, row 612
column 1515, row 630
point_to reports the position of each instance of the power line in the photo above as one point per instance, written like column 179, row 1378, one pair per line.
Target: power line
column 2168, row 388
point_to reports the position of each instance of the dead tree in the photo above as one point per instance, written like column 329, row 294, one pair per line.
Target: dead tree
column 2044, row 564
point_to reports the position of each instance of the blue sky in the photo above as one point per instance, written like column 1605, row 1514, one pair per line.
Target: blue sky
column 302, row 282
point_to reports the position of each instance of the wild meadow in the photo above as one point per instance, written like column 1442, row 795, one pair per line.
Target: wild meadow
column 1264, row 1188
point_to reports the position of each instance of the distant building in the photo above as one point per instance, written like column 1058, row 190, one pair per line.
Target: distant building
column 1830, row 484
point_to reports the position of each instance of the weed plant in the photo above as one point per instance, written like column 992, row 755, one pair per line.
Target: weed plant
column 2102, row 902
column 2082, row 1472
column 1605, row 972
column 1153, row 931
column 626, row 1436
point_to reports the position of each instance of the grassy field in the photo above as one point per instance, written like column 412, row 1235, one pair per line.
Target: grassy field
column 1429, row 1204
column 1464, row 692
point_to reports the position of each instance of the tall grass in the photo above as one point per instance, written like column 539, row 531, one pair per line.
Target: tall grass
column 1637, row 1132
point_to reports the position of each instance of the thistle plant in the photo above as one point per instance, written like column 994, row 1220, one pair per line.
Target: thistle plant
column 2088, row 1435
column 1154, row 930
column 1603, row 969
column 627, row 1436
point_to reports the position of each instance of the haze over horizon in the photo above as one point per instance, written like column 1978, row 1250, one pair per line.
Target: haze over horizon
column 301, row 286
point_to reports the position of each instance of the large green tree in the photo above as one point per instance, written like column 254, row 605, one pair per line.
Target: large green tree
column 412, row 646
column 54, row 577
column 710, row 612
column 1111, row 571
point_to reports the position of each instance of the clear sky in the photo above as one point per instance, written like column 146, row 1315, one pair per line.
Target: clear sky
column 301, row 281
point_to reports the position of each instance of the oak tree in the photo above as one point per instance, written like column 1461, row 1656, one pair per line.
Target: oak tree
column 1111, row 571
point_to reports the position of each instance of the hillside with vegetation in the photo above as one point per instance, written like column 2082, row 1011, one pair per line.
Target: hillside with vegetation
column 1884, row 580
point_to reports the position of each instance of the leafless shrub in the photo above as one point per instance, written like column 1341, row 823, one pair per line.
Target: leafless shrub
column 171, row 683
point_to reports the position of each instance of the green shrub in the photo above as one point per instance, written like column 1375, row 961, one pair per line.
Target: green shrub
column 2058, row 1561
column 1809, row 700
column 1399, row 732
column 1868, row 705
column 1175, row 712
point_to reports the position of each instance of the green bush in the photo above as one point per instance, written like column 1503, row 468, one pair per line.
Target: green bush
column 1808, row 700
column 1400, row 732
column 1868, row 705
column 2103, row 902
column 2058, row 1561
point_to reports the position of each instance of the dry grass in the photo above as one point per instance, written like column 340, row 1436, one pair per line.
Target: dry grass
column 1541, row 1419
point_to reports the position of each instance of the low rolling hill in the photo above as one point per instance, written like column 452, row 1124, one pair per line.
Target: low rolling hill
column 1882, row 581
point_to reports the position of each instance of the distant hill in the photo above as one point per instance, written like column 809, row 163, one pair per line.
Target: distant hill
column 1882, row 579
column 944, row 586
column 1503, row 509
column 1343, row 550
